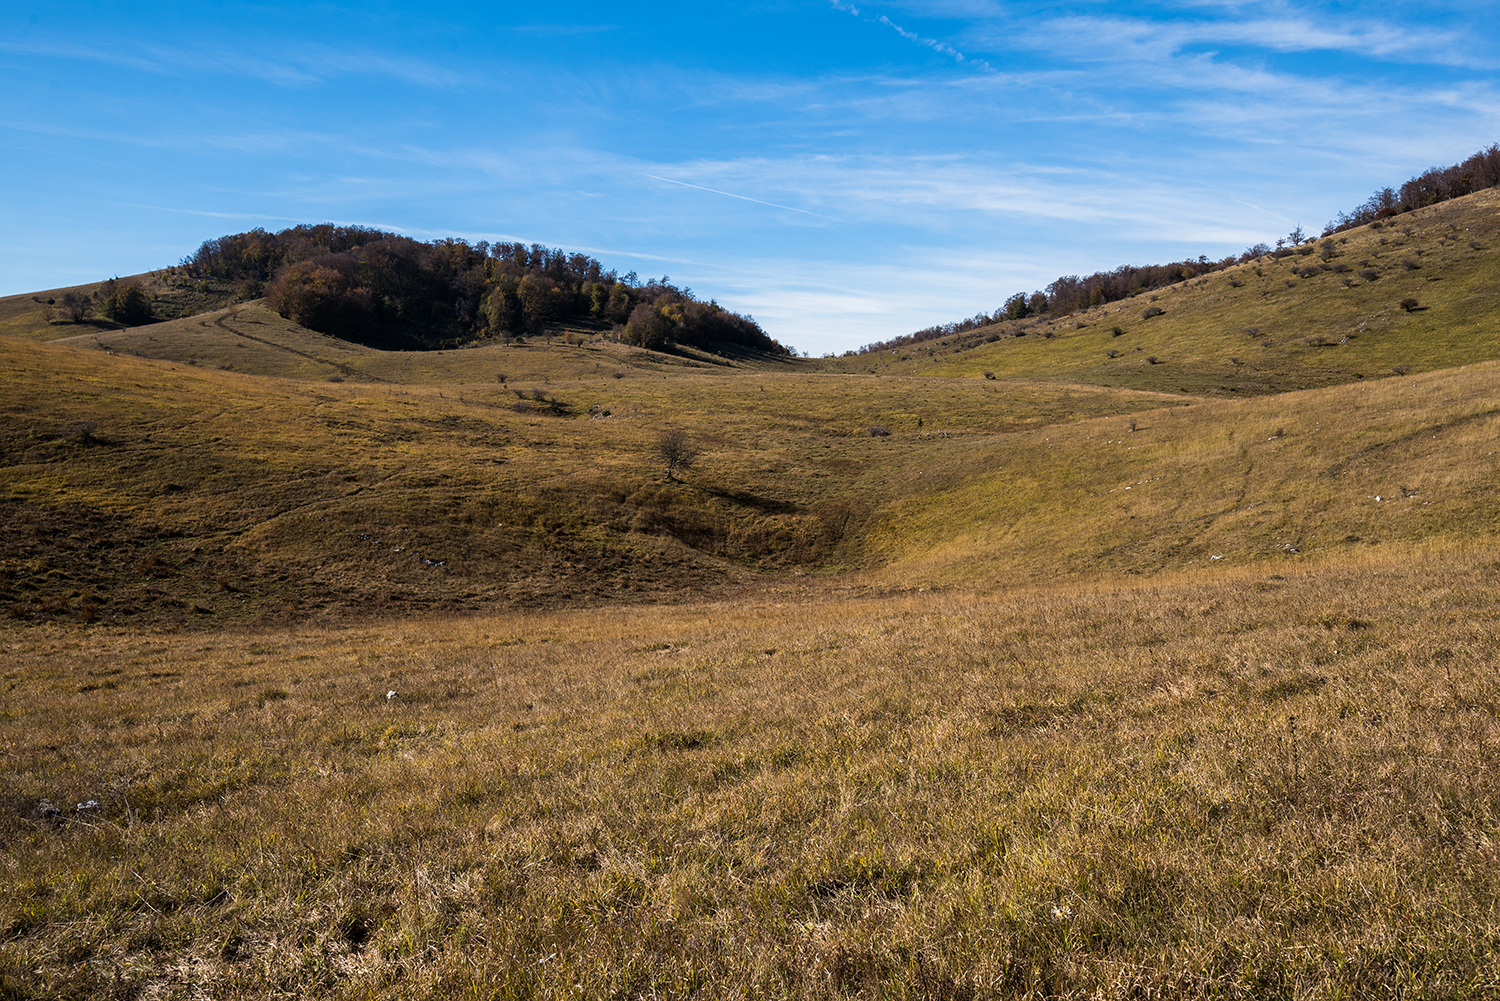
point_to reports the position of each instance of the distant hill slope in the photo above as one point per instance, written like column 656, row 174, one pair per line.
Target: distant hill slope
column 43, row 315
column 1327, row 314
column 391, row 292
column 152, row 489
column 1069, row 294
column 232, row 466
column 1281, row 481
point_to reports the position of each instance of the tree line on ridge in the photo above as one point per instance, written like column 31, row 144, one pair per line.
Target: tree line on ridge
column 1071, row 293
column 391, row 291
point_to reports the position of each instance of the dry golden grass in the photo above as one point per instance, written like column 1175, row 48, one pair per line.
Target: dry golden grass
column 285, row 496
column 32, row 315
column 1289, row 478
column 1262, row 328
column 905, row 724
column 1266, row 786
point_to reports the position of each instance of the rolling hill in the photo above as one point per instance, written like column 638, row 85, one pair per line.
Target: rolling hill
column 994, row 666
column 230, row 464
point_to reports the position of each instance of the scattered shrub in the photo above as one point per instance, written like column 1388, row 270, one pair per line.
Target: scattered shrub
column 76, row 306
column 676, row 450
column 125, row 303
column 1152, row 311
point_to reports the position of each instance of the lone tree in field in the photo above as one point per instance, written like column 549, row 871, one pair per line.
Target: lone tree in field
column 677, row 450
column 76, row 306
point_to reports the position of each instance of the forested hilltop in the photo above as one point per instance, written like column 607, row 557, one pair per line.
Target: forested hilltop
column 390, row 291
column 1072, row 293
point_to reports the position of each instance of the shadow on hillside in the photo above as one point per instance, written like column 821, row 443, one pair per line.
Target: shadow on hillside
column 725, row 354
column 95, row 323
column 746, row 499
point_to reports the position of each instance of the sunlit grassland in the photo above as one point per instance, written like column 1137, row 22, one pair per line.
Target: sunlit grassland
column 1264, row 785
column 1089, row 680
column 244, row 338
column 1293, row 477
column 326, row 493
column 1260, row 328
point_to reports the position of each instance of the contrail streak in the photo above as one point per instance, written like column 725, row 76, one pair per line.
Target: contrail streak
column 743, row 198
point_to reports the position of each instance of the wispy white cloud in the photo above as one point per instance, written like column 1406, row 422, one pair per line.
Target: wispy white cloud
column 304, row 65
column 743, row 198
column 1119, row 39
column 958, row 192
column 245, row 216
column 49, row 152
column 841, row 202
column 828, row 305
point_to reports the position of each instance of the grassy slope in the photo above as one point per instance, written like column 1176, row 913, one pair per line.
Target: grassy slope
column 1294, row 476
column 173, row 295
column 1266, row 775
column 1311, row 332
column 280, row 496
column 1260, row 785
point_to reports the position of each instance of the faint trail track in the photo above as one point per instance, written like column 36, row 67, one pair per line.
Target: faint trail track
column 343, row 369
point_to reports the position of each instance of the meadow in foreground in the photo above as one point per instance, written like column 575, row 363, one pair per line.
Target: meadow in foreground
column 1269, row 782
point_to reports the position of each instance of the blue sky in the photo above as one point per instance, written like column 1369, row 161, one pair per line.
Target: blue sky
column 844, row 171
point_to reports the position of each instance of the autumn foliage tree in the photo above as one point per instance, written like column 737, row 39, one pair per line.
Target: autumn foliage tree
column 389, row 290
column 124, row 302
column 1436, row 184
column 322, row 295
column 648, row 327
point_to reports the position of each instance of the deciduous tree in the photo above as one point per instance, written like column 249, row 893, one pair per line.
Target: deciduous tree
column 677, row 450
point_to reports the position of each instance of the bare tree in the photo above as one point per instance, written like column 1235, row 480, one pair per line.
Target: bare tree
column 76, row 305
column 677, row 450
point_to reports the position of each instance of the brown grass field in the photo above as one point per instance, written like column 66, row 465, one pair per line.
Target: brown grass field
column 346, row 674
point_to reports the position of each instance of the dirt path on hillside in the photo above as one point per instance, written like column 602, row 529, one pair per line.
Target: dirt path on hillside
column 346, row 370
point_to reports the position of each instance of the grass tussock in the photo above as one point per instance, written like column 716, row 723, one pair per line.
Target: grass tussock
column 1270, row 786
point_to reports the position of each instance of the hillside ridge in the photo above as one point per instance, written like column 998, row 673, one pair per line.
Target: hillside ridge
column 231, row 466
